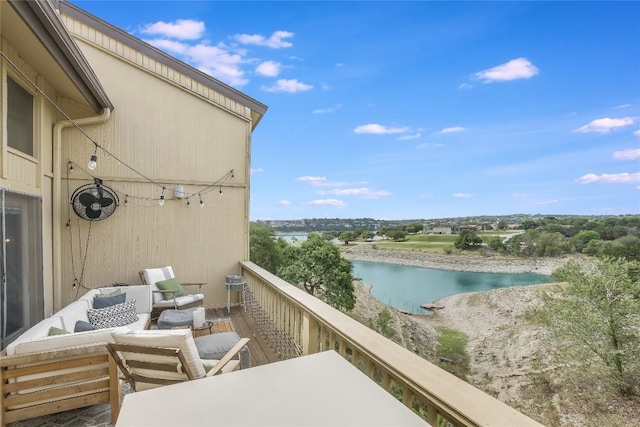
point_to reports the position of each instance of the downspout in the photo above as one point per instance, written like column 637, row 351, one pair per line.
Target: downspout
column 57, row 202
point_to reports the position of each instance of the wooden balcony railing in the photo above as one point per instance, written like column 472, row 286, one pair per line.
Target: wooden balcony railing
column 296, row 323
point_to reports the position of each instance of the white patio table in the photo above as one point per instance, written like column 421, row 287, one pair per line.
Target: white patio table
column 322, row 389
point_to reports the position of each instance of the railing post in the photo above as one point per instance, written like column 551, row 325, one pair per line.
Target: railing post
column 309, row 334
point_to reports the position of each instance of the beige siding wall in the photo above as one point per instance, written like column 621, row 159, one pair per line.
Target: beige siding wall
column 172, row 136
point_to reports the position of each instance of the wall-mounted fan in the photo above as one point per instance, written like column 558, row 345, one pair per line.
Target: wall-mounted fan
column 94, row 202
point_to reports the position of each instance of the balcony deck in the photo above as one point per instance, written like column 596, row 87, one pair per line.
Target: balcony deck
column 99, row 415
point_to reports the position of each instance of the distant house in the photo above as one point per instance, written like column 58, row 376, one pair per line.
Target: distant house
column 74, row 86
column 446, row 230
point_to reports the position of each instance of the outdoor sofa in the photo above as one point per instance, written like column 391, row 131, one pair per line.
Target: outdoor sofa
column 61, row 363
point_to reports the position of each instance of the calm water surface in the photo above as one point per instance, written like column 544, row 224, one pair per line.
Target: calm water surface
column 407, row 288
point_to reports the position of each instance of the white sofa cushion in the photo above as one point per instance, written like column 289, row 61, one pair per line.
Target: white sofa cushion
column 57, row 342
column 168, row 338
column 75, row 311
column 38, row 331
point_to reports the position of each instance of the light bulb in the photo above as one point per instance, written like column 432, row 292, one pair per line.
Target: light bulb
column 201, row 202
column 93, row 162
column 161, row 201
column 188, row 203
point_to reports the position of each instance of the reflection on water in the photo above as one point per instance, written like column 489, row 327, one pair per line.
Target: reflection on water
column 407, row 287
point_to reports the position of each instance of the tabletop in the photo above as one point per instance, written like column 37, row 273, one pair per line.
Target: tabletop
column 322, row 389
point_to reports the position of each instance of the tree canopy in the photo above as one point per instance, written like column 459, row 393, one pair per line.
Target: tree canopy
column 595, row 320
column 318, row 266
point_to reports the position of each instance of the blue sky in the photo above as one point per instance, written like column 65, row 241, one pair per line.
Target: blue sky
column 398, row 110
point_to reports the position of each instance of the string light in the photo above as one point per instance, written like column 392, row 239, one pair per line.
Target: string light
column 161, row 201
column 126, row 199
column 93, row 163
column 201, row 202
column 69, row 223
column 220, row 191
column 188, row 202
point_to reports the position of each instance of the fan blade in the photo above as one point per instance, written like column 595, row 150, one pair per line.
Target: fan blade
column 87, row 199
column 92, row 214
column 106, row 201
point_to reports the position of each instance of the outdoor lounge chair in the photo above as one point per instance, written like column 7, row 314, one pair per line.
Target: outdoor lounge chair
column 168, row 292
column 154, row 358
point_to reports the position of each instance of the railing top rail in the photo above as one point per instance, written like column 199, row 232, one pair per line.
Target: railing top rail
column 465, row 402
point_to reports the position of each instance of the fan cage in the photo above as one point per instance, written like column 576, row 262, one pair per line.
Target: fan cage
column 94, row 207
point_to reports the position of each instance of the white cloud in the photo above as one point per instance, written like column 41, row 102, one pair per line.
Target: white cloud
column 465, row 86
column 275, row 41
column 256, row 170
column 269, row 69
column 289, row 86
column 327, row 110
column 284, row 203
column 362, row 192
column 605, row 125
column 462, row 195
column 520, row 68
column 376, row 129
column 409, row 137
column 606, row 178
column 452, row 130
column 428, row 145
column 328, row 202
column 182, row 29
column 547, row 202
column 637, row 133
column 630, row 154
column 217, row 61
column 313, row 180
column 521, row 195
column 618, row 107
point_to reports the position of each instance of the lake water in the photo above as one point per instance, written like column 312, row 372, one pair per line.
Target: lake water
column 407, row 288
column 288, row 237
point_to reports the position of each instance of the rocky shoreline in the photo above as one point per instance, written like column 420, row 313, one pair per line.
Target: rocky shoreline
column 455, row 261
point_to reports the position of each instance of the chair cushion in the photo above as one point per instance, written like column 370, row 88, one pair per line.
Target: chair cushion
column 180, row 301
column 115, row 315
column 215, row 346
column 57, row 331
column 173, row 338
column 154, row 275
column 171, row 285
column 107, row 294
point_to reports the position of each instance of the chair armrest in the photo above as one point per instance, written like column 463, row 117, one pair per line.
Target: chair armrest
column 199, row 285
column 227, row 357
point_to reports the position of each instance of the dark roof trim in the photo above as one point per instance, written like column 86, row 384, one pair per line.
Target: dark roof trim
column 45, row 23
column 156, row 54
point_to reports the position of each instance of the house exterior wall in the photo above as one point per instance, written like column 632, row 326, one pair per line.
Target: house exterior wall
column 173, row 131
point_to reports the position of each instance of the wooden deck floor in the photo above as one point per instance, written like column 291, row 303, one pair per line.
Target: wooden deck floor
column 99, row 415
column 261, row 352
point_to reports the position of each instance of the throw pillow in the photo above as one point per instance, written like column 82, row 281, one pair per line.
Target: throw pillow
column 171, row 285
column 57, row 331
column 115, row 315
column 109, row 301
column 82, row 326
column 215, row 346
column 109, row 294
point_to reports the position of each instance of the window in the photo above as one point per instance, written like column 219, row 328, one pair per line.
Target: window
column 19, row 118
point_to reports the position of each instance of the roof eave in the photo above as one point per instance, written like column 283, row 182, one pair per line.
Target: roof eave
column 45, row 23
column 258, row 108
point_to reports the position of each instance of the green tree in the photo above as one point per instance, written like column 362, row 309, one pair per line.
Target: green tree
column 347, row 236
column 318, row 267
column 414, row 227
column 595, row 319
column 366, row 235
column 397, row 234
column 582, row 239
column 496, row 244
column 386, row 323
column 467, row 239
column 262, row 246
column 329, row 235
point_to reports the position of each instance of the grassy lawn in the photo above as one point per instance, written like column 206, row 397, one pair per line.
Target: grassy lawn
column 452, row 354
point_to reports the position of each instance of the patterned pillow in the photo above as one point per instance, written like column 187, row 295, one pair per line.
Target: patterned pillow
column 115, row 315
